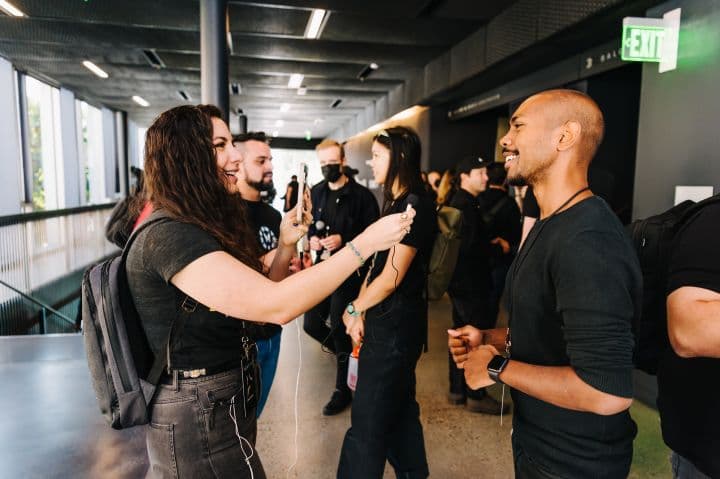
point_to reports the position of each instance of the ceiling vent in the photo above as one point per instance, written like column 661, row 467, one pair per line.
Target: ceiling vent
column 336, row 103
column 153, row 59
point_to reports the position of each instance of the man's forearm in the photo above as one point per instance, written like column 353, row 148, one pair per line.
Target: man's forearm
column 562, row 387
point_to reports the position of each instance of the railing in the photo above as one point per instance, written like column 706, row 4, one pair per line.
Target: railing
column 29, row 315
column 38, row 250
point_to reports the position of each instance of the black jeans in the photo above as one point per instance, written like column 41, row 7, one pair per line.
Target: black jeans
column 192, row 433
column 334, row 337
column 473, row 310
column 385, row 415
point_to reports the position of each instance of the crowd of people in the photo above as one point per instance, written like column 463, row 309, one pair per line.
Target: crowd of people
column 558, row 260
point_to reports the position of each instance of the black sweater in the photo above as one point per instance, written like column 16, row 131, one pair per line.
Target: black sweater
column 573, row 291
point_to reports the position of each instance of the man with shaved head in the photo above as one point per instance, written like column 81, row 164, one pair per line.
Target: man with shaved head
column 572, row 291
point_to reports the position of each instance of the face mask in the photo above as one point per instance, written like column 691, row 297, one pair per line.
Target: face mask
column 331, row 173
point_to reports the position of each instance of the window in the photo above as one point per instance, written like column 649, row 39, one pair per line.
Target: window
column 91, row 153
column 44, row 145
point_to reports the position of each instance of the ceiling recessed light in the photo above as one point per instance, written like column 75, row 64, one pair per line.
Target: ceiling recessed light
column 140, row 101
column 295, row 81
column 95, row 69
column 316, row 23
column 279, row 123
column 302, row 90
column 10, row 9
column 285, row 107
column 374, row 66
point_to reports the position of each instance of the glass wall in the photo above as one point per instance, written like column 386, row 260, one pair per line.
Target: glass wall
column 44, row 145
column 91, row 153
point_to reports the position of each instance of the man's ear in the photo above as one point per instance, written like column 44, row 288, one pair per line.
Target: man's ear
column 569, row 135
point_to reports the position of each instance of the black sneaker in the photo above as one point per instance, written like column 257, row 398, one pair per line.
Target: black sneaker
column 338, row 402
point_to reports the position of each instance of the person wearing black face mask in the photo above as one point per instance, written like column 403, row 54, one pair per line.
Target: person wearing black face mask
column 342, row 208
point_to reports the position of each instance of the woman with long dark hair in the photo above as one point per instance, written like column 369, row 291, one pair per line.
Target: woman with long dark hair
column 389, row 318
column 198, row 260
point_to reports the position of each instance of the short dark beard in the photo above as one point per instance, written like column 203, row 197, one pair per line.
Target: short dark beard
column 517, row 181
column 260, row 185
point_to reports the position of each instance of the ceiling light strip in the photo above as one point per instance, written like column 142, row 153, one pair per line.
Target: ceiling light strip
column 140, row 101
column 316, row 23
column 11, row 9
column 95, row 69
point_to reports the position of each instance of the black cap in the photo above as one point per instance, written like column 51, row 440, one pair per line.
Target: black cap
column 466, row 165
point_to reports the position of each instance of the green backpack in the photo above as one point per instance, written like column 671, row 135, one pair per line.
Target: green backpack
column 445, row 251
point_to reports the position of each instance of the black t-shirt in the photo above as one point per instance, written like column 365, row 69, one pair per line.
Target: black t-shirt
column 421, row 237
column 472, row 270
column 573, row 291
column 209, row 339
column 505, row 223
column 265, row 221
column 689, row 389
column 530, row 206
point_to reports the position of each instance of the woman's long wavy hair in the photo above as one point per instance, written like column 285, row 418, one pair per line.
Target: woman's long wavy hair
column 404, row 146
column 182, row 177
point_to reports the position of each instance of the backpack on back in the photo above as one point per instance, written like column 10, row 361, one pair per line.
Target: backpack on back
column 445, row 251
column 653, row 239
column 123, row 369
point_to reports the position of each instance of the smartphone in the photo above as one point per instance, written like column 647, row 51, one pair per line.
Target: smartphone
column 302, row 179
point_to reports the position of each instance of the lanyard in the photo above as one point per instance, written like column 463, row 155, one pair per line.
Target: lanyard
column 521, row 258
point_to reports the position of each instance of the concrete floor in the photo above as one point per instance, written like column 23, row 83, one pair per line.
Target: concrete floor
column 50, row 426
column 459, row 444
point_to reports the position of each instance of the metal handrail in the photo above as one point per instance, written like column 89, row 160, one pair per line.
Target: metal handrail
column 41, row 215
column 38, row 302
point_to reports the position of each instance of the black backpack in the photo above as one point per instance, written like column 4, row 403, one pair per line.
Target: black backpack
column 445, row 251
column 653, row 239
column 123, row 369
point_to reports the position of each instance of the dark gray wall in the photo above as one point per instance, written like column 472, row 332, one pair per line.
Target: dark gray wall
column 678, row 135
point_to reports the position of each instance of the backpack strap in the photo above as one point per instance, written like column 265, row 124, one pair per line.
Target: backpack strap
column 187, row 306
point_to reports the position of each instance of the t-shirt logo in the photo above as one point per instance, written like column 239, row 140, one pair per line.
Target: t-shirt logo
column 268, row 240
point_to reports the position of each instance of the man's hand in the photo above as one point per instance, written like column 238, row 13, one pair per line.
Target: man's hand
column 503, row 244
column 476, row 375
column 332, row 242
column 463, row 340
column 354, row 327
column 315, row 243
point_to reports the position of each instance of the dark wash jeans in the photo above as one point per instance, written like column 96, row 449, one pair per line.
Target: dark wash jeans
column 385, row 415
column 191, row 433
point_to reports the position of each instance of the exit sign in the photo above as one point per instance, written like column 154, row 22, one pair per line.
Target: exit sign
column 642, row 43
column 652, row 40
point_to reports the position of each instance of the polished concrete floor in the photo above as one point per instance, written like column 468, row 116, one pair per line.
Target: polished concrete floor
column 50, row 426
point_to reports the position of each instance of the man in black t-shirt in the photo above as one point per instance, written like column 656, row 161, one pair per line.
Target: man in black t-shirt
column 689, row 372
column 254, row 177
column 469, row 287
column 342, row 209
column 502, row 220
column 572, row 292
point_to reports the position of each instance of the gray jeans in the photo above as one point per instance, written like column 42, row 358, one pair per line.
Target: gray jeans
column 684, row 469
column 193, row 434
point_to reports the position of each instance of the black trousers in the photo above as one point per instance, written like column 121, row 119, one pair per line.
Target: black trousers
column 333, row 337
column 385, row 415
column 473, row 310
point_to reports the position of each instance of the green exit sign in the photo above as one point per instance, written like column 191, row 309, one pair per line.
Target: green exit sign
column 642, row 43
column 652, row 40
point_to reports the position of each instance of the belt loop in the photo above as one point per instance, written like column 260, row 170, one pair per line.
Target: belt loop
column 176, row 383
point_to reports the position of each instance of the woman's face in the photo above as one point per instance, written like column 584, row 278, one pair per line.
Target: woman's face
column 380, row 162
column 228, row 158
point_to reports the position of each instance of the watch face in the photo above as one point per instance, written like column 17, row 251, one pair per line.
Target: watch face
column 350, row 309
column 496, row 363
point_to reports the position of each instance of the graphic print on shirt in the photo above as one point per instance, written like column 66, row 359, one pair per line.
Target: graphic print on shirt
column 267, row 238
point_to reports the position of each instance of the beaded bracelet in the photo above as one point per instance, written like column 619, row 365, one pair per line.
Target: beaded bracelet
column 357, row 253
